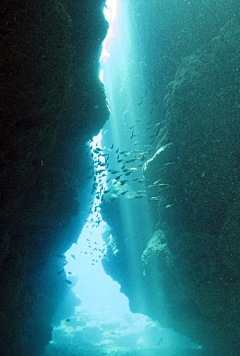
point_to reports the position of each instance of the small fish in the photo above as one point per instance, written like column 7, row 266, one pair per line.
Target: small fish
column 141, row 180
column 67, row 320
column 169, row 164
column 169, row 206
column 97, row 150
column 140, row 196
column 142, row 156
column 151, row 186
column 67, row 281
column 123, row 181
column 113, row 172
column 144, row 93
column 73, row 256
column 131, row 160
column 138, row 134
column 61, row 271
column 157, row 131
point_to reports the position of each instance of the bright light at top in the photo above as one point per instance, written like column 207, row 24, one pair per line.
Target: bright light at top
column 110, row 13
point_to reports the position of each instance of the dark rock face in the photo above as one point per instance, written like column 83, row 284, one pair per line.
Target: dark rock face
column 190, row 273
column 52, row 103
column 198, row 268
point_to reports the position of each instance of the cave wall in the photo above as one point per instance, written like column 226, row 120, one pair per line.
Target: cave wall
column 200, row 229
column 52, row 103
column 189, row 59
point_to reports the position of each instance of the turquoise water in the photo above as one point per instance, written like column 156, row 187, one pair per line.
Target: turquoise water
column 104, row 316
column 137, row 204
column 90, row 350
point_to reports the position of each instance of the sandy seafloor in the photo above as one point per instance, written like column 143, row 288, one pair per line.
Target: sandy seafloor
column 90, row 350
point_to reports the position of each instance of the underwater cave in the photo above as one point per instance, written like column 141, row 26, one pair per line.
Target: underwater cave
column 119, row 231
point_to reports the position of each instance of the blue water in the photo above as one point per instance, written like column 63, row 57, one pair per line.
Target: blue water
column 103, row 317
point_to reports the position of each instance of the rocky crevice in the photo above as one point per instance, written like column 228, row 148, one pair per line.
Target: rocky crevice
column 52, row 103
column 189, row 278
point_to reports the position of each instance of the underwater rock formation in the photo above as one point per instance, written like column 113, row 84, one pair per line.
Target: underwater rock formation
column 190, row 275
column 52, row 103
column 197, row 268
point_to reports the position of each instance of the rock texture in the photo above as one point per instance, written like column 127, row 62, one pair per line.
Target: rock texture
column 190, row 273
column 202, row 223
column 52, row 103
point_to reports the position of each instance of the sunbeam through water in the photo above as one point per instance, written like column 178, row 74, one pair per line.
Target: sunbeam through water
column 103, row 316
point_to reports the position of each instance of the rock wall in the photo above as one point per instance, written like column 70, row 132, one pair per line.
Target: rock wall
column 52, row 103
column 201, row 223
column 189, row 277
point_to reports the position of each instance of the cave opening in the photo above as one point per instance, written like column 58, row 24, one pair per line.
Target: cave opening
column 96, row 311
